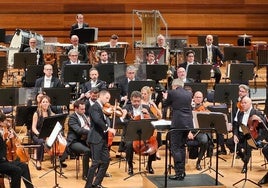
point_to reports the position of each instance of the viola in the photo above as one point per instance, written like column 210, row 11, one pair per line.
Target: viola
column 238, row 105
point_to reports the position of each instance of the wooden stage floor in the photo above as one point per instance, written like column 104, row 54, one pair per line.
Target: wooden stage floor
column 231, row 175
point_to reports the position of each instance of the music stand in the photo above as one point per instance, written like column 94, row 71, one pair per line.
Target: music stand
column 76, row 72
column 106, row 72
column 24, row 115
column 241, row 72
column 58, row 96
column 137, row 85
column 9, row 96
column 156, row 72
column 139, row 130
column 22, row 59
column 85, row 35
column 217, row 121
column 32, row 73
column 51, row 128
column 233, row 53
column 115, row 94
column 199, row 72
column 224, row 93
column 250, row 142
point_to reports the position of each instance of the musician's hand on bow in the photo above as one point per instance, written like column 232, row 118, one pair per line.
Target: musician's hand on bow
column 190, row 136
column 124, row 113
column 236, row 140
column 145, row 111
column 112, row 130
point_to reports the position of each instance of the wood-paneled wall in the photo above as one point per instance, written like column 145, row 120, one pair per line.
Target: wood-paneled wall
column 227, row 19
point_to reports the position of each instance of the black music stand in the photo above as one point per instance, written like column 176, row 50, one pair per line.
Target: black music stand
column 85, row 35
column 33, row 72
column 9, row 96
column 137, row 85
column 24, row 115
column 234, row 53
column 106, row 72
column 241, row 72
column 139, row 130
column 199, row 72
column 58, row 96
column 217, row 121
column 224, row 93
column 51, row 127
column 23, row 59
column 156, row 72
column 251, row 142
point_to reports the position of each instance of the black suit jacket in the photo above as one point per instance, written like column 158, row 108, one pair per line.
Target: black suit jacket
column 87, row 86
column 99, row 125
column 41, row 58
column 123, row 85
column 75, row 26
column 180, row 101
column 75, row 131
column 82, row 49
column 216, row 53
column 55, row 82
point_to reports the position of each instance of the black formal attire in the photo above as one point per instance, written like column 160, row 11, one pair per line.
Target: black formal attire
column 180, row 101
column 123, row 86
column 13, row 169
column 76, row 139
column 38, row 52
column 55, row 82
column 87, row 86
column 82, row 49
column 75, row 26
column 216, row 53
column 245, row 155
column 264, row 180
column 129, row 144
column 98, row 140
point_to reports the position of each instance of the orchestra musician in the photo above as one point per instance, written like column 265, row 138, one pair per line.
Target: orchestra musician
column 180, row 100
column 245, row 116
column 79, row 25
column 98, row 140
column 190, row 60
column 150, row 58
column 33, row 49
column 103, row 57
column 113, row 42
column 202, row 138
column 213, row 56
column 81, row 48
column 136, row 111
column 14, row 169
column 79, row 126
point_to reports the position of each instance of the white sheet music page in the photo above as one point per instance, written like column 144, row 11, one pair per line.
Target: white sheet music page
column 54, row 134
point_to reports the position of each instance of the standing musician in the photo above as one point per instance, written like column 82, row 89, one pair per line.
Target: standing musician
column 14, row 169
column 182, row 118
column 98, row 140
column 136, row 111
column 255, row 120
column 80, row 24
column 79, row 126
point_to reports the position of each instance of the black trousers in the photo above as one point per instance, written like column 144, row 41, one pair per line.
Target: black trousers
column 15, row 170
column 100, row 161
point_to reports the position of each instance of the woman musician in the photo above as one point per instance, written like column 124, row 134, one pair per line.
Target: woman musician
column 14, row 169
column 136, row 111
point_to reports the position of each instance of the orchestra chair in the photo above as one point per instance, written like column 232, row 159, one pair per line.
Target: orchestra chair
column 77, row 157
column 2, row 180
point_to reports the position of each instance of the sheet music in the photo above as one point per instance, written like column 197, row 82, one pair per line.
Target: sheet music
column 54, row 134
column 161, row 122
column 195, row 121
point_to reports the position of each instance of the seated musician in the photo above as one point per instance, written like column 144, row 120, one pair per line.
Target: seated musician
column 81, row 48
column 78, row 130
column 33, row 49
column 150, row 58
column 103, row 57
column 139, row 111
column 189, row 60
column 246, row 115
column 14, row 169
column 202, row 138
column 113, row 42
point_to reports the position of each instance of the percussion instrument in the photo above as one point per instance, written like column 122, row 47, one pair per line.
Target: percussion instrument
column 20, row 40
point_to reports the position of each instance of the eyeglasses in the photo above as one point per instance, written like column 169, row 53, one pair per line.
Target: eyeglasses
column 73, row 55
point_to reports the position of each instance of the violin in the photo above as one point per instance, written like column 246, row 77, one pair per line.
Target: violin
column 238, row 105
column 200, row 108
column 253, row 127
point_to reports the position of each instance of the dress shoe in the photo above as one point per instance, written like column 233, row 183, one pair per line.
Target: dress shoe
column 179, row 177
column 198, row 166
column 63, row 165
column 97, row 186
column 244, row 169
column 38, row 168
column 264, row 180
column 130, row 171
column 150, row 170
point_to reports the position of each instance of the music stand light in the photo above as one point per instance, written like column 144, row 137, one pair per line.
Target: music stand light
column 24, row 115
column 76, row 72
column 139, row 130
column 199, row 72
column 23, row 59
column 241, row 72
column 224, row 93
column 156, row 72
column 137, row 85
